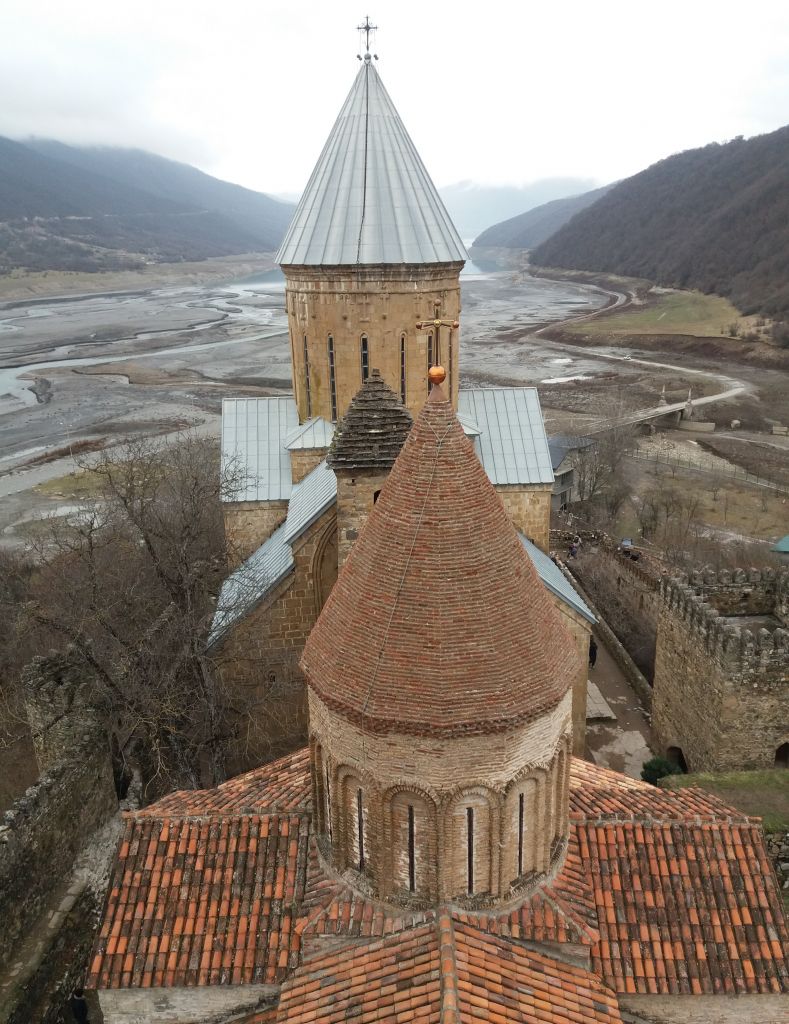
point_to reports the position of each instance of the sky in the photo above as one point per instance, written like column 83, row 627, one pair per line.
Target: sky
column 494, row 92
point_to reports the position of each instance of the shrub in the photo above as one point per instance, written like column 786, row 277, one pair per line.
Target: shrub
column 657, row 767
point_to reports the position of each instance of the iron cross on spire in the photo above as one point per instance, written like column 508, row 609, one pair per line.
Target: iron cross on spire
column 436, row 324
column 367, row 28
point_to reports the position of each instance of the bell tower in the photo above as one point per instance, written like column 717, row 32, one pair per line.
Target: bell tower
column 371, row 263
column 439, row 683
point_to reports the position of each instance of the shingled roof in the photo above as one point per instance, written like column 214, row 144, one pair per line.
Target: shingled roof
column 671, row 893
column 372, row 431
column 407, row 614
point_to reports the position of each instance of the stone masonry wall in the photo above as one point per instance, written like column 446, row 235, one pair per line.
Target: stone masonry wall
column 258, row 660
column 248, row 524
column 44, row 830
column 529, row 508
column 384, row 303
column 627, row 593
column 581, row 631
column 304, row 460
column 355, row 499
column 720, row 693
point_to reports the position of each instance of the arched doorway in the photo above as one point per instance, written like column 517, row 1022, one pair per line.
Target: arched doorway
column 782, row 756
column 675, row 755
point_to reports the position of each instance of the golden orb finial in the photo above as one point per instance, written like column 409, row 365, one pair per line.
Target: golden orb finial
column 436, row 374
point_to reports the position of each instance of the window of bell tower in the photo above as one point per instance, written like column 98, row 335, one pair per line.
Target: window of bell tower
column 429, row 358
column 365, row 357
column 332, row 380
column 307, row 378
column 402, row 368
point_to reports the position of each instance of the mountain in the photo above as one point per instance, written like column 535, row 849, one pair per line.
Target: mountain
column 80, row 208
column 473, row 207
column 531, row 228
column 715, row 219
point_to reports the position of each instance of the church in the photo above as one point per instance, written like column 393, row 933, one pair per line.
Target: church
column 435, row 852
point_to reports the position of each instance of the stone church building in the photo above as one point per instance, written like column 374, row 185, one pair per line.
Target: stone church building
column 435, row 853
column 372, row 265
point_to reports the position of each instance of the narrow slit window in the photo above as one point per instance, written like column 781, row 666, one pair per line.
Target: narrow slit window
column 520, row 835
column 411, row 851
column 365, row 358
column 307, row 378
column 360, row 827
column 328, row 803
column 470, row 847
column 429, row 357
column 402, row 368
column 332, row 380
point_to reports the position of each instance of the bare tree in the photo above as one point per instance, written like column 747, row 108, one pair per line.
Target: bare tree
column 129, row 583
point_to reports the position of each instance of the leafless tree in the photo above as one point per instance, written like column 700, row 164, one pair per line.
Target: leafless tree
column 130, row 583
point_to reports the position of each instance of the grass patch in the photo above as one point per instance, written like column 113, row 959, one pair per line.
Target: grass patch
column 763, row 795
column 674, row 313
column 82, row 483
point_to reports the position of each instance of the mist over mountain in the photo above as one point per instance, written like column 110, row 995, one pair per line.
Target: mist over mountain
column 533, row 227
column 475, row 207
column 93, row 208
column 715, row 219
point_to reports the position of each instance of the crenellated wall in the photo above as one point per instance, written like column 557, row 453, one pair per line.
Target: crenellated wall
column 721, row 689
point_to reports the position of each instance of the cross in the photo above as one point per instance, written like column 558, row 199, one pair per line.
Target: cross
column 367, row 28
column 438, row 323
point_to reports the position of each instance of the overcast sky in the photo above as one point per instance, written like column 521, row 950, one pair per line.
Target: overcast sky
column 493, row 91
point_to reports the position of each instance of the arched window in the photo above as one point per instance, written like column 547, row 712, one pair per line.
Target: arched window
column 328, row 803
column 402, row 368
column 307, row 378
column 332, row 380
column 470, row 848
column 360, row 827
column 376, row 496
column 782, row 756
column 411, row 850
column 364, row 350
column 521, row 814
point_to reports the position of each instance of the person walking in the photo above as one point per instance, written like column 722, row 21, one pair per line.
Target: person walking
column 79, row 1006
column 592, row 652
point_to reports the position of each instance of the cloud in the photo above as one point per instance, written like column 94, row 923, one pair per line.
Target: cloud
column 501, row 92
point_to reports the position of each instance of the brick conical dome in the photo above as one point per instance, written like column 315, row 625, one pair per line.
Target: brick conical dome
column 438, row 623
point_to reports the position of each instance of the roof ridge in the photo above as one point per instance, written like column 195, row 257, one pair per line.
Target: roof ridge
column 447, row 952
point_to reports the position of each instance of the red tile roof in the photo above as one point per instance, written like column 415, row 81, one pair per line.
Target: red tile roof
column 671, row 892
column 407, row 614
column 203, row 902
column 443, row 971
column 282, row 785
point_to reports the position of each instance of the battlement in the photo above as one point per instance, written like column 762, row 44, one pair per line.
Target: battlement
column 706, row 602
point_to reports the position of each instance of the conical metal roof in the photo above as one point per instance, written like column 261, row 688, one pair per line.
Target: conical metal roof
column 370, row 199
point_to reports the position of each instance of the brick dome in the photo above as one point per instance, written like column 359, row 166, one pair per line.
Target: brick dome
column 438, row 624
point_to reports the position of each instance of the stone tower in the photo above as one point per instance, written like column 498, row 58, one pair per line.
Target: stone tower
column 366, row 443
column 370, row 253
column 439, row 680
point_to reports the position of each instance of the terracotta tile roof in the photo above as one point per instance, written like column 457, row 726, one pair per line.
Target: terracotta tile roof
column 443, row 972
column 372, row 431
column 685, row 908
column 203, row 902
column 406, row 614
column 282, row 785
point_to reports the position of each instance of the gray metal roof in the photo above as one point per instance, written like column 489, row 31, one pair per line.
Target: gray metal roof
column 560, row 446
column 370, row 199
column 255, row 460
column 512, row 445
column 315, row 433
column 272, row 562
column 555, row 580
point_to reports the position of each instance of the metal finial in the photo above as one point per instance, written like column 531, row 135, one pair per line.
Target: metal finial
column 367, row 28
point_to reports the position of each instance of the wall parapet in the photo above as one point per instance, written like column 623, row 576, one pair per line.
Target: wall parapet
column 760, row 658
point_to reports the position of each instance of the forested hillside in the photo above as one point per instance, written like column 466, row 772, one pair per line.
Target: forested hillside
column 715, row 219
column 529, row 229
column 67, row 208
